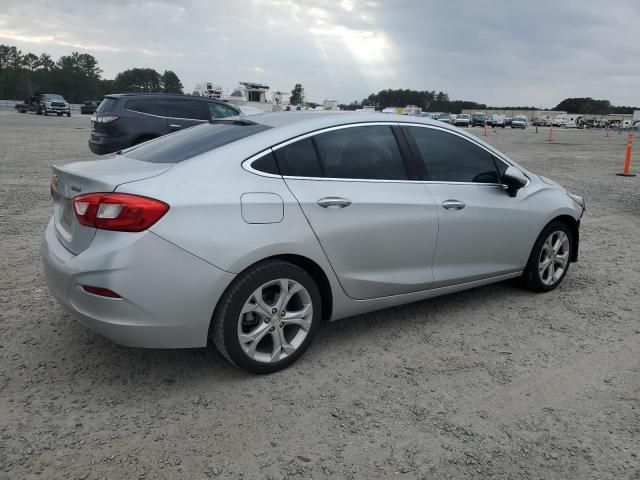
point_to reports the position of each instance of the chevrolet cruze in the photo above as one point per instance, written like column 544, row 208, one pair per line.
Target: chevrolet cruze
column 250, row 233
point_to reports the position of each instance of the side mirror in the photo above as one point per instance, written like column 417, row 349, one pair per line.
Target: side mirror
column 514, row 180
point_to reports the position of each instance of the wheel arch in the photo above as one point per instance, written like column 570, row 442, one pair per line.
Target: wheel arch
column 312, row 268
column 318, row 275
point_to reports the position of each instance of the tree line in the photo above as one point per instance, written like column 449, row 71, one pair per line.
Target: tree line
column 430, row 101
column 590, row 106
column 77, row 77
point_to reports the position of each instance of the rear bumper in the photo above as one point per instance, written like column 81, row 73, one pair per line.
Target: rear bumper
column 168, row 295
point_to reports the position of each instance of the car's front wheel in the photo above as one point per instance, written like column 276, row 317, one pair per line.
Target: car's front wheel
column 267, row 317
column 550, row 258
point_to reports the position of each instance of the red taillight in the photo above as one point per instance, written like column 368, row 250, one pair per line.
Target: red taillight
column 104, row 118
column 118, row 211
column 101, row 292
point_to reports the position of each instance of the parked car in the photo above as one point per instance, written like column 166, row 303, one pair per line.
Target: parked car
column 478, row 119
column 462, row 120
column 519, row 122
column 539, row 122
column 251, row 233
column 498, row 120
column 89, row 107
column 124, row 120
column 44, row 104
column 444, row 117
column 507, row 121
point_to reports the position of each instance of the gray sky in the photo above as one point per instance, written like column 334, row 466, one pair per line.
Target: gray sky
column 499, row 52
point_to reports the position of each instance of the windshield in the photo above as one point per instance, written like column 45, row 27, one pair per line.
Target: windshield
column 54, row 97
column 520, row 119
column 463, row 115
column 193, row 141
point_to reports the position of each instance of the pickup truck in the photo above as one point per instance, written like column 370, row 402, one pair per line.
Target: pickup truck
column 44, row 104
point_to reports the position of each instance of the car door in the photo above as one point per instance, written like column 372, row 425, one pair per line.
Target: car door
column 377, row 228
column 185, row 113
column 483, row 232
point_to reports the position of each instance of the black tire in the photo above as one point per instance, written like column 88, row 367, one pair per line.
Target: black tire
column 44, row 112
column 224, row 324
column 59, row 114
column 531, row 278
column 68, row 114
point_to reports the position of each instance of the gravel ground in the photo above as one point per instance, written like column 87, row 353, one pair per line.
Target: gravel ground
column 495, row 382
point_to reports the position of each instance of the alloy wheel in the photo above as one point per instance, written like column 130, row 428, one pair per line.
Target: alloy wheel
column 554, row 257
column 274, row 320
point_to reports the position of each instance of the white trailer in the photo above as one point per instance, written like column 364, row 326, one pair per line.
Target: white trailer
column 574, row 121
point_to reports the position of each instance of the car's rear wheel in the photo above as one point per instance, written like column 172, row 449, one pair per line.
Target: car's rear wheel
column 550, row 258
column 267, row 317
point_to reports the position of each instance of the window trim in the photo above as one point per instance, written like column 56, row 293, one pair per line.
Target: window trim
column 246, row 164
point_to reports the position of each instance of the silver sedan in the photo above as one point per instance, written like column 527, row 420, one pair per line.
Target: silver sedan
column 250, row 232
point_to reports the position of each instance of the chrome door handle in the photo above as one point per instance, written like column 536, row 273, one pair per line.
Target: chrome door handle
column 173, row 125
column 453, row 204
column 334, row 202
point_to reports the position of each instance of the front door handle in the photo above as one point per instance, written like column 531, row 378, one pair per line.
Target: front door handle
column 338, row 202
column 173, row 126
column 453, row 204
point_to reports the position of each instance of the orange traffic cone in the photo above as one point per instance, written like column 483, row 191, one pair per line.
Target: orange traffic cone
column 627, row 159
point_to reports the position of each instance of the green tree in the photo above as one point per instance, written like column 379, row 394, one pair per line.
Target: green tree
column 297, row 95
column 139, row 80
column 171, row 83
column 45, row 62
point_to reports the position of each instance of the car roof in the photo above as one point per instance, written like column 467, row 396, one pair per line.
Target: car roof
column 313, row 120
column 163, row 95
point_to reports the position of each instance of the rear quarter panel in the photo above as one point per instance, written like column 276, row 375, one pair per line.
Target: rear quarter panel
column 205, row 217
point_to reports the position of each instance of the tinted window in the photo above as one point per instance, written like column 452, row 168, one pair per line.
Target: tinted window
column 450, row 158
column 107, row 105
column 218, row 110
column 266, row 164
column 361, row 153
column 299, row 159
column 187, row 109
column 152, row 106
column 193, row 141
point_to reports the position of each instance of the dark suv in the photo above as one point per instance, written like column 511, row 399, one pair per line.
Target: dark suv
column 123, row 120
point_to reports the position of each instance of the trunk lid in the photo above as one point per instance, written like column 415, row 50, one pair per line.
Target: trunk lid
column 79, row 177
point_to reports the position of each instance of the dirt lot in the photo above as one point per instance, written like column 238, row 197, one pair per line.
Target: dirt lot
column 495, row 382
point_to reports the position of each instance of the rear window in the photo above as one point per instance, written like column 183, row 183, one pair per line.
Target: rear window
column 191, row 142
column 106, row 105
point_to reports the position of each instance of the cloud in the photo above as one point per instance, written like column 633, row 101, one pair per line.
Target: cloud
column 502, row 52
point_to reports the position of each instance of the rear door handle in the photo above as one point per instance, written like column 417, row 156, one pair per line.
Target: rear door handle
column 453, row 204
column 173, row 126
column 338, row 202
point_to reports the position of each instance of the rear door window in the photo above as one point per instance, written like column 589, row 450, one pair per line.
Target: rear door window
column 368, row 152
column 299, row 159
column 450, row 158
column 185, row 108
column 152, row 106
